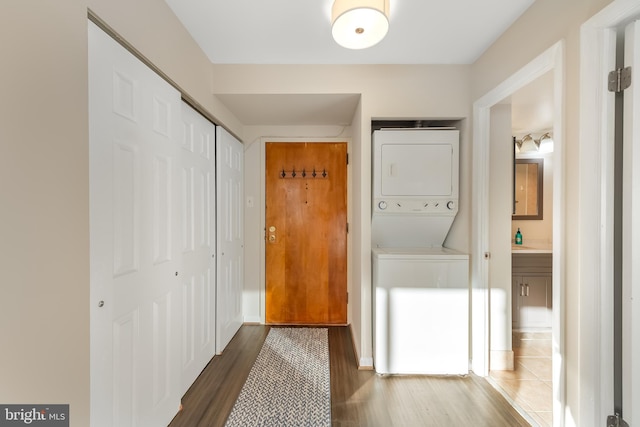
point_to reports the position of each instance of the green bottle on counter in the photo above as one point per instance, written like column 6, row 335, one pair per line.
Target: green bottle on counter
column 518, row 237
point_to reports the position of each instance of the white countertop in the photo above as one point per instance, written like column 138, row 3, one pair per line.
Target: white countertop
column 532, row 247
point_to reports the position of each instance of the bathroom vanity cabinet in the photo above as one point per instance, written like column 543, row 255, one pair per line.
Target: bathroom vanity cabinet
column 531, row 290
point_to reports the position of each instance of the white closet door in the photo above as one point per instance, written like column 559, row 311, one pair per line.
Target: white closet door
column 230, row 282
column 135, row 298
column 631, row 233
column 198, row 244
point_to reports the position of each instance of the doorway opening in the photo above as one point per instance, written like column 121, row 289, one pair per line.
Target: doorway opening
column 484, row 297
column 521, row 241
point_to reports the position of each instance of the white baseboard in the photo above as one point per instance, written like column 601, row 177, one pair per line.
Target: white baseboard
column 252, row 320
column 365, row 363
column 501, row 360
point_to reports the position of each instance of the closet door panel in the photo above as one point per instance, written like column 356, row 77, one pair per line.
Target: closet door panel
column 230, row 218
column 198, row 248
column 135, row 258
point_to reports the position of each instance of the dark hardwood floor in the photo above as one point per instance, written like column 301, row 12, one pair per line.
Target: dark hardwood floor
column 358, row 397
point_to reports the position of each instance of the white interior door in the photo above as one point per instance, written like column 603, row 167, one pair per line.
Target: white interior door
column 198, row 244
column 230, row 281
column 631, row 232
column 135, row 299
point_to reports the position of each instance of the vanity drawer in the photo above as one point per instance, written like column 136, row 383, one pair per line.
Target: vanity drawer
column 528, row 263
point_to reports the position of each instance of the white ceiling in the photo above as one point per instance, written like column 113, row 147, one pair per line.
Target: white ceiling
column 299, row 32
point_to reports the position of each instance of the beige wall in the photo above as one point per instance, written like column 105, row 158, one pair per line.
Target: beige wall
column 550, row 21
column 44, row 205
column 359, row 272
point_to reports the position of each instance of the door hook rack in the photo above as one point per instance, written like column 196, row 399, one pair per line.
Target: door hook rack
column 303, row 174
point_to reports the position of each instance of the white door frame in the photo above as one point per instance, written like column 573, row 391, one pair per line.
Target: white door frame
column 551, row 59
column 630, row 306
column 597, row 56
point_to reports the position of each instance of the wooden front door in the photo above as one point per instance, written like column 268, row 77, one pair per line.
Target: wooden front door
column 306, row 233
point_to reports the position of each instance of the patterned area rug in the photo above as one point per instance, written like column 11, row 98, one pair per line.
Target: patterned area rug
column 289, row 383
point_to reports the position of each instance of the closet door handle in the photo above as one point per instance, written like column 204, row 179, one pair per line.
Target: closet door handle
column 527, row 291
column 521, row 290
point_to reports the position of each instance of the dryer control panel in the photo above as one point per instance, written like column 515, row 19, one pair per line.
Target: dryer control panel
column 412, row 206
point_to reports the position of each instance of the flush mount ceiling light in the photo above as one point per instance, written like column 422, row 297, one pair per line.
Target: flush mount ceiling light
column 359, row 24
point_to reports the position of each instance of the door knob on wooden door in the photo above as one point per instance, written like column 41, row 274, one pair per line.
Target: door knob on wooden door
column 272, row 234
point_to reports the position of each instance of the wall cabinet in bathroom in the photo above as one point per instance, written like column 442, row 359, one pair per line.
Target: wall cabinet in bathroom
column 531, row 290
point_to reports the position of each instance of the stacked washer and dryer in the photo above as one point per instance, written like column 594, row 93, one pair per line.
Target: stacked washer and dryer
column 421, row 289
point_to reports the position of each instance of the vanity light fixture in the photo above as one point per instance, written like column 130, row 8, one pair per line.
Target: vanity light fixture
column 528, row 144
column 359, row 24
column 545, row 143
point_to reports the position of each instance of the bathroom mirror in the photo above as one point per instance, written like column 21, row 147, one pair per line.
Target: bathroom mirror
column 527, row 189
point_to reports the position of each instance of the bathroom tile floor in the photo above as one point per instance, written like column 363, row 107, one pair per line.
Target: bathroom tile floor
column 529, row 385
